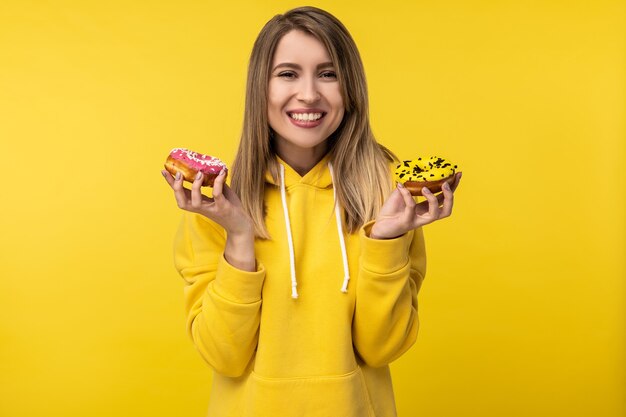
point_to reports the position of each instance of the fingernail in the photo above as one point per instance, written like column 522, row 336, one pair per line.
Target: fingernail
column 163, row 173
column 400, row 185
column 446, row 186
column 222, row 172
column 178, row 176
column 426, row 191
column 199, row 175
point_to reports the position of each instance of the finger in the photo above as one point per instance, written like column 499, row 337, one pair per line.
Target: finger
column 218, row 186
column 196, row 193
column 433, row 203
column 168, row 177
column 395, row 201
column 452, row 184
column 406, row 197
column 179, row 191
column 424, row 206
column 448, row 201
column 455, row 182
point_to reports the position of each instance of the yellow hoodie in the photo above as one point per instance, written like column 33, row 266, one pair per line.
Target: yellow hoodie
column 324, row 353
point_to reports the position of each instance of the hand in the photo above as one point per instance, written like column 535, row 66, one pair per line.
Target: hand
column 401, row 213
column 224, row 208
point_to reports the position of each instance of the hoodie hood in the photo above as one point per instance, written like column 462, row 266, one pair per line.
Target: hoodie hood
column 319, row 176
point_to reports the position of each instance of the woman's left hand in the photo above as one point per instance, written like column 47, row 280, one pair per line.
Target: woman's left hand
column 401, row 213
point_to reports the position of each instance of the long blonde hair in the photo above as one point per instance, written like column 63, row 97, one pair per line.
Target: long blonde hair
column 360, row 162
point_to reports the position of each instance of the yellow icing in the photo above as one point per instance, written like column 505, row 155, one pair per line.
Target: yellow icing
column 424, row 169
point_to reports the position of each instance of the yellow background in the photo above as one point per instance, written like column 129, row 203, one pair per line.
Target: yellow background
column 522, row 309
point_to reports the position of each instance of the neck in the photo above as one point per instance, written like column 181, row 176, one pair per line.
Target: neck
column 302, row 160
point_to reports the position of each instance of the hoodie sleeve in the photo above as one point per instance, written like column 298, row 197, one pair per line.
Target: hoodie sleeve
column 390, row 275
column 222, row 303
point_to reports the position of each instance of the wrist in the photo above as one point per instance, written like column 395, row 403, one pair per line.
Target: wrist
column 244, row 227
column 239, row 251
column 377, row 234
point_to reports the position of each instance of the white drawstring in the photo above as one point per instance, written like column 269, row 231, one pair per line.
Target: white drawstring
column 342, row 243
column 292, row 261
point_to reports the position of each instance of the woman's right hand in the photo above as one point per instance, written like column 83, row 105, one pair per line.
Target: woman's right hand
column 224, row 208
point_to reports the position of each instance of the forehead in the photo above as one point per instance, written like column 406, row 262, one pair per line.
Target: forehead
column 300, row 48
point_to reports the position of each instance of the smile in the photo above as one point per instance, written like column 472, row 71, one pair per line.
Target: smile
column 306, row 116
column 306, row 120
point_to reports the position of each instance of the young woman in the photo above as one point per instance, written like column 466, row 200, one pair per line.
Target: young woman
column 302, row 279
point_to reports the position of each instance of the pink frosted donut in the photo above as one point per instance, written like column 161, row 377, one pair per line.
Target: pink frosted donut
column 188, row 163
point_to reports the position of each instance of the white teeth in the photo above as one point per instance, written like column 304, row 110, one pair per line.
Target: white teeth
column 306, row 116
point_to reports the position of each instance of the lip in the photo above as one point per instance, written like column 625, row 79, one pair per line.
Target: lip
column 306, row 123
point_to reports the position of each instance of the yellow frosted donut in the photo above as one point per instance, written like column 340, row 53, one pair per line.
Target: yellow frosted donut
column 431, row 173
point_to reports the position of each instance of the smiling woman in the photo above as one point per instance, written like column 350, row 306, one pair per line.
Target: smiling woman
column 312, row 214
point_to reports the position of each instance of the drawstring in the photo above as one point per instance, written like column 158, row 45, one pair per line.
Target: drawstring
column 292, row 261
column 342, row 243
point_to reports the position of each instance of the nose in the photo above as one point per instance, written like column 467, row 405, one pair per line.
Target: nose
column 308, row 91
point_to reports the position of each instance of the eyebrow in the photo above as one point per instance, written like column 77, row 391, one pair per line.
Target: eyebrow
column 298, row 67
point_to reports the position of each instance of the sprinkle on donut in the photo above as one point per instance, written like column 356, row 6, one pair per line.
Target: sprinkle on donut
column 424, row 172
column 188, row 163
column 197, row 161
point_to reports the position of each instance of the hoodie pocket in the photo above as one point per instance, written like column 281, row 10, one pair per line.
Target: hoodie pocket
column 323, row 396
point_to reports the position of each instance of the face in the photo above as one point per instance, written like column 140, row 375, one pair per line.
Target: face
column 304, row 99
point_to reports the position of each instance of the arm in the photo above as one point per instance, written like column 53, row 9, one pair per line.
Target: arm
column 391, row 272
column 222, row 303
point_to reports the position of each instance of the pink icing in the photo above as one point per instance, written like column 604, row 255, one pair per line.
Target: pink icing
column 205, row 163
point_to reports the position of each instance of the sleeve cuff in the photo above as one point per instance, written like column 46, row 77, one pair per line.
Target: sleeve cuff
column 384, row 256
column 240, row 286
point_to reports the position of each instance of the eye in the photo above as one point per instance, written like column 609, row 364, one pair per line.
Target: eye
column 287, row 74
column 329, row 74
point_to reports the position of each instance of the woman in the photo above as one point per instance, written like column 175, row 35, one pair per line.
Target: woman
column 302, row 280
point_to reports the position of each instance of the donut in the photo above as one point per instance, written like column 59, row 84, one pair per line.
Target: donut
column 431, row 173
column 188, row 163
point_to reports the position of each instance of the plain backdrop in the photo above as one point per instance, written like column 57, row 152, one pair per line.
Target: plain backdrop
column 523, row 307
